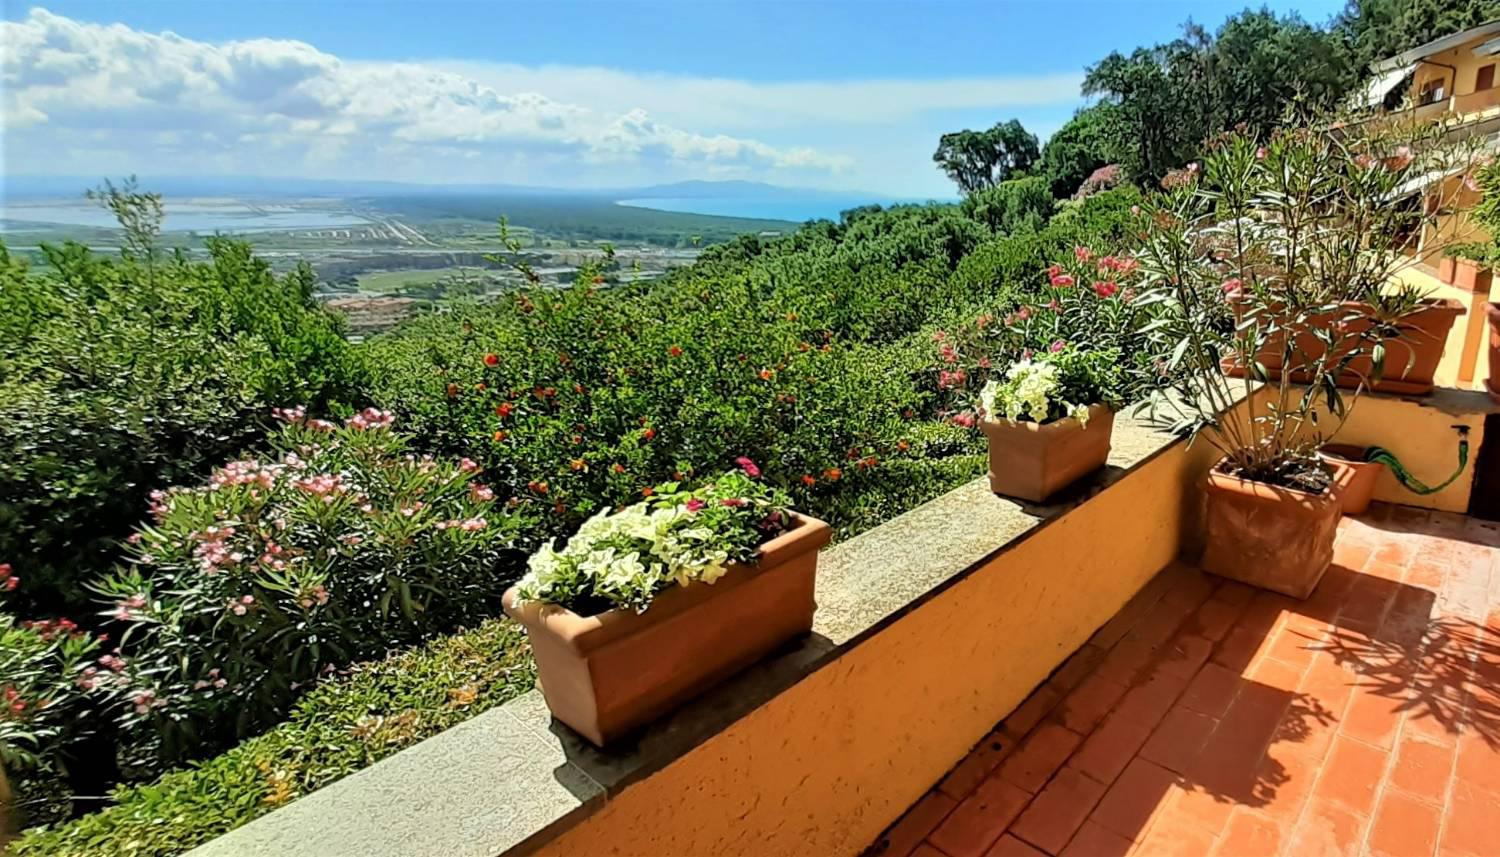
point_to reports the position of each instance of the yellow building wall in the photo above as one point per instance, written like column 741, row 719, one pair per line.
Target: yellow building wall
column 1461, row 92
column 823, row 768
column 1419, row 431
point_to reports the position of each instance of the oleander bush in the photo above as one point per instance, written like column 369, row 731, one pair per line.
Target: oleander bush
column 248, row 587
column 122, row 375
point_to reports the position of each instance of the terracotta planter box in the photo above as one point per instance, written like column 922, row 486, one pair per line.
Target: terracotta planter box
column 610, row 674
column 1472, row 277
column 1445, row 268
column 1032, row 462
column 1411, row 359
column 1274, row 538
column 1354, row 478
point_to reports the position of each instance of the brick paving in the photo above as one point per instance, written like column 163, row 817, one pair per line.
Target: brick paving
column 1209, row 718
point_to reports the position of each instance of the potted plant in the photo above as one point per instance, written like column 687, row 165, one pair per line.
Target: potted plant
column 1239, row 257
column 1333, row 300
column 1473, row 264
column 1354, row 475
column 646, row 607
column 1049, row 419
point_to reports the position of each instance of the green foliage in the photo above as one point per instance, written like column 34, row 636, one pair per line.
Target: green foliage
column 118, row 376
column 1168, row 98
column 243, row 589
column 975, row 160
column 1011, row 206
column 1082, row 145
column 1380, row 29
column 340, row 727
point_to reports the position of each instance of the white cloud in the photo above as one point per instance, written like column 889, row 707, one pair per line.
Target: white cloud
column 81, row 96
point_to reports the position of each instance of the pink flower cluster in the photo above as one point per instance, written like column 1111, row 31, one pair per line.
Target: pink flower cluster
column 240, row 606
column 212, row 551
column 480, row 493
column 245, row 473
column 125, row 610
column 948, row 380
column 748, row 466
column 8, row 579
column 371, row 418
column 325, row 485
column 213, row 681
column 468, row 525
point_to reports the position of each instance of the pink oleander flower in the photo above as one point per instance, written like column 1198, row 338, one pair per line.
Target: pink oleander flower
column 1260, row 153
column 693, row 504
column 748, row 466
column 732, row 502
column 1057, row 346
column 480, row 493
column 1105, row 288
column 1233, row 287
column 964, row 419
column 467, row 465
column 371, row 418
column 1083, row 254
column 1126, row 265
column 1062, row 281
column 4, row 571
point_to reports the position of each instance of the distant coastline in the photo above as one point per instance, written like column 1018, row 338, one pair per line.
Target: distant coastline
column 791, row 208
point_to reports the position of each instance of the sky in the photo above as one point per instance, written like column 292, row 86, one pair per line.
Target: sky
column 605, row 94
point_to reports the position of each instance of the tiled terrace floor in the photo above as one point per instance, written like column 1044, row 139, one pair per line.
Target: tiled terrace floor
column 1208, row 718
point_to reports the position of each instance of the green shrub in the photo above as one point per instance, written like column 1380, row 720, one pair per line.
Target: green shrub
column 340, row 727
column 119, row 376
column 1011, row 206
column 243, row 589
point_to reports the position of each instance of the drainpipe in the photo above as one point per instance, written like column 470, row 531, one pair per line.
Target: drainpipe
column 1453, row 95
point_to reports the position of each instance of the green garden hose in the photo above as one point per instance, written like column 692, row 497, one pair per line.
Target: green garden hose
column 1412, row 483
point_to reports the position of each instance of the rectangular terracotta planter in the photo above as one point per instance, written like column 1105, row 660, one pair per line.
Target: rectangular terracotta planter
column 608, row 675
column 1411, row 359
column 1445, row 269
column 1472, row 276
column 1274, row 538
column 1033, row 461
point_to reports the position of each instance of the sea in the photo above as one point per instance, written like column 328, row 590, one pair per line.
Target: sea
column 794, row 208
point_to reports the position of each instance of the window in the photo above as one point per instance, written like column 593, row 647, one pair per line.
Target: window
column 1432, row 91
column 1484, row 78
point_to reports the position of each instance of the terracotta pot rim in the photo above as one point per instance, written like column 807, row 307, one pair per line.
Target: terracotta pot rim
column 1342, row 452
column 1064, row 424
column 1451, row 305
column 1230, row 484
column 586, row 633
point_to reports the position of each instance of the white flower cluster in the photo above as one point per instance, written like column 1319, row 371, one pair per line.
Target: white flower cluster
column 626, row 558
column 1028, row 390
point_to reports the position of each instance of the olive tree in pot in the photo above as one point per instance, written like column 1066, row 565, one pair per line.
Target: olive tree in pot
column 1250, row 253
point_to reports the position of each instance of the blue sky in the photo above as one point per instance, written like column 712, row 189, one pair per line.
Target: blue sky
column 836, row 95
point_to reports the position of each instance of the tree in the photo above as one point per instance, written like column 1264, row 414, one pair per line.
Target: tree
column 1011, row 206
column 1378, row 29
column 982, row 159
column 1250, row 75
column 1082, row 145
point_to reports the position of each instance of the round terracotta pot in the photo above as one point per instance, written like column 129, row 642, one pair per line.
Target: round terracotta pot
column 1275, row 538
column 1411, row 359
column 1354, row 478
column 609, row 674
column 1031, row 461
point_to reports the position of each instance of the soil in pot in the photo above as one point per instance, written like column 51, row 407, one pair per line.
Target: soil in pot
column 1354, row 477
column 610, row 674
column 1032, row 462
column 1270, row 536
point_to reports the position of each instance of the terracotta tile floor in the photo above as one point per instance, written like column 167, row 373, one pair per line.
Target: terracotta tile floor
column 1209, row 718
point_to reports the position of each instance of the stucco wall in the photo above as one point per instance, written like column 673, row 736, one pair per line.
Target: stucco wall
column 828, row 764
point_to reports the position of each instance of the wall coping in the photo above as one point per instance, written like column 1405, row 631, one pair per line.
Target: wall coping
column 510, row 779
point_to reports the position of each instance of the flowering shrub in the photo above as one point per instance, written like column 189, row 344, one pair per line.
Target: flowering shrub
column 246, row 588
column 624, row 558
column 1300, row 236
column 1053, row 385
